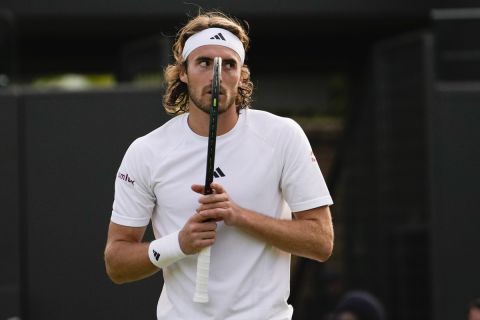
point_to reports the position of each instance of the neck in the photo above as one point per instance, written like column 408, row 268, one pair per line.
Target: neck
column 199, row 121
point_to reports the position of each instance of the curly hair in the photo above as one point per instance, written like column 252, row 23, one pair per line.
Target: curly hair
column 175, row 100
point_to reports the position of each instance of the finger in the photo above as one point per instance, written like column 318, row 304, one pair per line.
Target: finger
column 213, row 205
column 200, row 218
column 217, row 187
column 207, row 226
column 213, row 198
column 218, row 219
column 198, row 188
column 207, row 235
column 216, row 214
column 200, row 244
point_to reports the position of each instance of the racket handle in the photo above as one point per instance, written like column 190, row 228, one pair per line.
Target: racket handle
column 203, row 269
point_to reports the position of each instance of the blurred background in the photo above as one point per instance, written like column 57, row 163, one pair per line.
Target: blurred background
column 387, row 91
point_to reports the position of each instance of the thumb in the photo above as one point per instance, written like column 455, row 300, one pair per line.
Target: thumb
column 198, row 188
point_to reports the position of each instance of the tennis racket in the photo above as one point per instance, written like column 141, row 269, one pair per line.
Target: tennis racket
column 203, row 263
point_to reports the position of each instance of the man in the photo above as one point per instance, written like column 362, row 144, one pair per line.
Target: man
column 359, row 305
column 474, row 310
column 266, row 173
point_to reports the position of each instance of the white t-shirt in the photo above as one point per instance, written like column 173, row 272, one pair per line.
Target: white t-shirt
column 266, row 164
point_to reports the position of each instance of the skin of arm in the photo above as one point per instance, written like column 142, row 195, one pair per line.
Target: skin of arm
column 310, row 234
column 126, row 256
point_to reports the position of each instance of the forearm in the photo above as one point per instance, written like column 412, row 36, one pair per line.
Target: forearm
column 310, row 237
column 126, row 261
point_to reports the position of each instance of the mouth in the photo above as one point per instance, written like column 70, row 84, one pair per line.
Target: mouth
column 221, row 93
column 209, row 91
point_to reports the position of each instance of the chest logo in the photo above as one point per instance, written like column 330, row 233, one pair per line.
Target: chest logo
column 218, row 173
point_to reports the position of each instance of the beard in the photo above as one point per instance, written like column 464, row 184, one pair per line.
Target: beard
column 205, row 107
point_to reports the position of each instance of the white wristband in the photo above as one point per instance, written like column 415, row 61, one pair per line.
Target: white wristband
column 165, row 251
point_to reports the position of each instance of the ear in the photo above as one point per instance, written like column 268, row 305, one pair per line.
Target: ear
column 183, row 75
column 242, row 78
column 241, row 83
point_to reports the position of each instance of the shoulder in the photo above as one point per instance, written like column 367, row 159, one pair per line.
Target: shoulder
column 171, row 128
column 160, row 140
column 270, row 125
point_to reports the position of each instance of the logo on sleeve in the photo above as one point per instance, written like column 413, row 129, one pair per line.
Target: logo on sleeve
column 312, row 156
column 125, row 178
column 156, row 255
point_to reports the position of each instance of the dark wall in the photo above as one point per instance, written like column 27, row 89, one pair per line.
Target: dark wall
column 456, row 53
column 71, row 145
column 88, row 37
column 9, row 214
column 412, row 173
column 249, row 7
column 386, row 178
column 455, row 175
column 403, row 81
column 454, row 159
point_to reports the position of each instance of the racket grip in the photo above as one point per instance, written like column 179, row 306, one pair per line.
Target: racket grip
column 203, row 269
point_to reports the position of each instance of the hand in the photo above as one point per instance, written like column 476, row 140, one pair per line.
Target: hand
column 197, row 233
column 217, row 206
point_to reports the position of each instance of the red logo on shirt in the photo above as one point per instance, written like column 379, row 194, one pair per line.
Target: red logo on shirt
column 312, row 156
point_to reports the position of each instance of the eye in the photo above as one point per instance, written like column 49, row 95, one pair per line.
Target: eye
column 229, row 65
column 203, row 63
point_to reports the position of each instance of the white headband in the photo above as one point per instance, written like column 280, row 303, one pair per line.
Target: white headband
column 214, row 36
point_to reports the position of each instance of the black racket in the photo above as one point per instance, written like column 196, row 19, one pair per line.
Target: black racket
column 203, row 263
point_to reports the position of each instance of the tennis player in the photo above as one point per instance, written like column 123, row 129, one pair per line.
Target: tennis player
column 269, row 196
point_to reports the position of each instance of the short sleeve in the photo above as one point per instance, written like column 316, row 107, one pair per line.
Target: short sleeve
column 302, row 182
column 134, row 199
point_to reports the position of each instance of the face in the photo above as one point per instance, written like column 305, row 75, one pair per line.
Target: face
column 199, row 75
column 474, row 314
column 346, row 315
